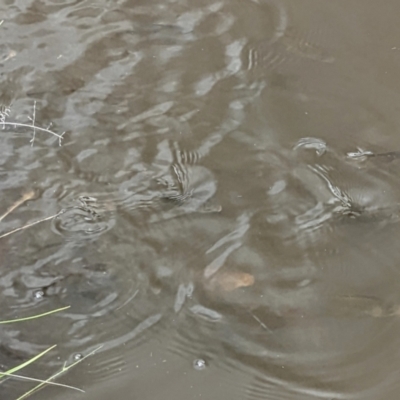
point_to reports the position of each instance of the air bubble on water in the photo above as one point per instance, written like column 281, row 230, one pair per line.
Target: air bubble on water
column 38, row 294
column 77, row 356
column 199, row 364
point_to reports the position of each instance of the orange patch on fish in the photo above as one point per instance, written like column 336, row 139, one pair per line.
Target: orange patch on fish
column 229, row 281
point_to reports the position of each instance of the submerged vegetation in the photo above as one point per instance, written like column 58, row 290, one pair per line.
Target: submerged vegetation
column 5, row 113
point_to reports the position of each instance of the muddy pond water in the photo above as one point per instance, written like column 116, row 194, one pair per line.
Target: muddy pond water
column 226, row 180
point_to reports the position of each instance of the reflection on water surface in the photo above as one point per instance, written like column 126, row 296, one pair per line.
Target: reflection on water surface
column 228, row 181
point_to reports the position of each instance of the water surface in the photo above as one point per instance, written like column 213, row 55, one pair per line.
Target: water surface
column 229, row 181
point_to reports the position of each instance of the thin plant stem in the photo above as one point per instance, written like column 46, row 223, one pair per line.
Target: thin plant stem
column 33, row 119
column 10, row 321
column 27, row 196
column 27, row 378
column 60, row 136
column 5, row 112
column 63, row 369
column 26, row 363
column 31, row 224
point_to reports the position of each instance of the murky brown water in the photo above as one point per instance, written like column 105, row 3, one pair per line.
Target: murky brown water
column 230, row 179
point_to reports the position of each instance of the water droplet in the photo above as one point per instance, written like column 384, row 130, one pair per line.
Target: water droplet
column 77, row 356
column 199, row 364
column 38, row 294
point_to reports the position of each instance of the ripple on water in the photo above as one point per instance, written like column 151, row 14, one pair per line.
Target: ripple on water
column 82, row 223
column 306, row 328
column 336, row 342
column 100, row 286
column 324, row 351
column 291, row 290
column 287, row 47
column 312, row 199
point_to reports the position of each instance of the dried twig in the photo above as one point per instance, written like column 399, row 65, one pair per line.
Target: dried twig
column 5, row 112
column 31, row 224
column 27, row 196
column 32, row 119
column 11, row 54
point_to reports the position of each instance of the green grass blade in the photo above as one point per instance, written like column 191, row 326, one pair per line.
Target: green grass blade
column 10, row 321
column 64, row 369
column 26, row 363
column 27, row 378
